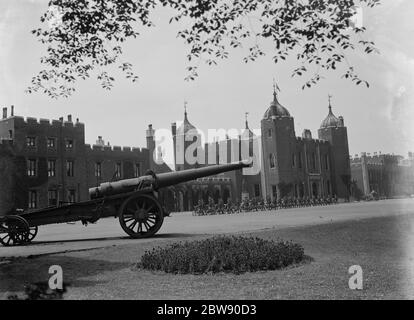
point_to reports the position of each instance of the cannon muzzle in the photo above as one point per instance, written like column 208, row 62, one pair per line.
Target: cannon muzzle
column 162, row 180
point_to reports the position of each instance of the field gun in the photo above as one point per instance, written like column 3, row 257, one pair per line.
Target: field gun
column 134, row 201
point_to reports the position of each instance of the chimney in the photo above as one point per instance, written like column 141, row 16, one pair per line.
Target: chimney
column 77, row 120
column 174, row 128
column 341, row 121
column 100, row 141
column 61, row 119
column 150, row 131
column 12, row 111
column 4, row 113
column 69, row 118
column 307, row 134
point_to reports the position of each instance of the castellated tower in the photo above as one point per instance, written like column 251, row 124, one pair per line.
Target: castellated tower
column 278, row 143
column 333, row 130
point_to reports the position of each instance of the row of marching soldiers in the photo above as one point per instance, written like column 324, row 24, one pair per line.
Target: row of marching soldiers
column 258, row 204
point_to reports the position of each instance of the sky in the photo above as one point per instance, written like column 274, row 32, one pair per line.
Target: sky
column 378, row 119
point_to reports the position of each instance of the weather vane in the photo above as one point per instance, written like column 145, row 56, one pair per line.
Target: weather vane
column 329, row 99
column 275, row 86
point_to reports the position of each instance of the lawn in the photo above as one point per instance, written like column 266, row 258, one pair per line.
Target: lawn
column 377, row 245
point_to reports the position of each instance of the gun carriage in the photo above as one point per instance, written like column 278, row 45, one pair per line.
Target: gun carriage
column 133, row 201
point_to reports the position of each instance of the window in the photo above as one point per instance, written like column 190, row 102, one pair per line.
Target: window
column 257, row 190
column 269, row 133
column 70, row 168
column 274, row 192
column 51, row 168
column 300, row 160
column 137, row 170
column 52, row 198
column 69, row 144
column 98, row 169
column 51, row 142
column 118, row 170
column 32, row 199
column 31, row 142
column 327, row 161
column 313, row 160
column 71, row 196
column 10, row 134
column 31, row 167
column 293, row 160
column 272, row 161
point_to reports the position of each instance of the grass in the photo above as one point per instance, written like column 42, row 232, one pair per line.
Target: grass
column 377, row 245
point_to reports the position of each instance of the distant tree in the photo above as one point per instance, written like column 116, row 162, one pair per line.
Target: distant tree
column 85, row 37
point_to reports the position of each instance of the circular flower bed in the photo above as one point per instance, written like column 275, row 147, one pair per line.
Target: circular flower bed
column 223, row 254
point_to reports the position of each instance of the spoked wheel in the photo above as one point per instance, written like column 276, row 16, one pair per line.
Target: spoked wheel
column 141, row 216
column 32, row 233
column 14, row 231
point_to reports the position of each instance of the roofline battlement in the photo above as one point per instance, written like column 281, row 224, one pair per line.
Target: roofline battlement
column 318, row 141
column 31, row 121
column 117, row 149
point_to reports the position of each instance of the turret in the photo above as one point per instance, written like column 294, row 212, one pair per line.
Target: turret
column 333, row 130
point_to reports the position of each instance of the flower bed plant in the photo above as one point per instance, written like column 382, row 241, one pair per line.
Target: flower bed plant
column 234, row 254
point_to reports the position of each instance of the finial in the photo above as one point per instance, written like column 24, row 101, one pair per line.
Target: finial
column 275, row 89
column 329, row 99
column 247, row 124
column 185, row 109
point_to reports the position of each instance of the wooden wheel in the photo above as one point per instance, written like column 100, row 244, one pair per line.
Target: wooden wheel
column 32, row 233
column 141, row 216
column 14, row 231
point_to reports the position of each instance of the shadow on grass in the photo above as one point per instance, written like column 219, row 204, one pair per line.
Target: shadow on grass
column 157, row 236
column 22, row 273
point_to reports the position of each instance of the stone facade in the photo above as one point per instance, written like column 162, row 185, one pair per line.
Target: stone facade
column 383, row 174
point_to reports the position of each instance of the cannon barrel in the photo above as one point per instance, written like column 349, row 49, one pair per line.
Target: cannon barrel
column 162, row 180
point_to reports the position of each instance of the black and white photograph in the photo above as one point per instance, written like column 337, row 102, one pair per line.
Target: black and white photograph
column 204, row 157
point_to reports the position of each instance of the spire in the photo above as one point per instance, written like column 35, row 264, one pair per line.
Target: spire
column 275, row 89
column 330, row 106
column 247, row 123
column 185, row 110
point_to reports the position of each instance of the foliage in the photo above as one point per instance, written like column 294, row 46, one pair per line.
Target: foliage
column 86, row 36
column 223, row 254
column 40, row 291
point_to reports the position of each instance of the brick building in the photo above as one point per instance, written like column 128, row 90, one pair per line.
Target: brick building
column 43, row 162
column 303, row 166
column 384, row 174
column 229, row 185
